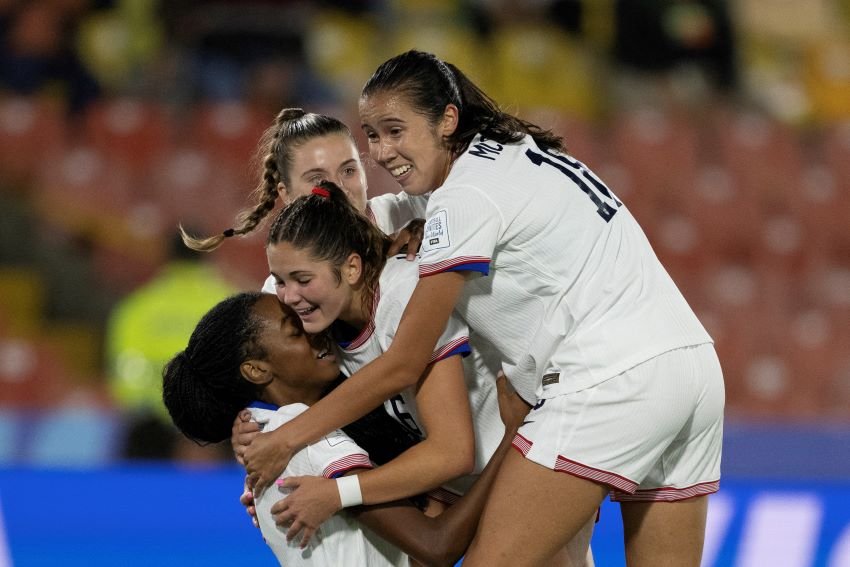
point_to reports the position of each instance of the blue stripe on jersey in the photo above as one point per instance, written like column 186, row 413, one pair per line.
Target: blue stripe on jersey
column 263, row 405
column 459, row 264
column 462, row 349
column 483, row 267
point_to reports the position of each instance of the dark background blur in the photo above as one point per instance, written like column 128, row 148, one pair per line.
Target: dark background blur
column 725, row 128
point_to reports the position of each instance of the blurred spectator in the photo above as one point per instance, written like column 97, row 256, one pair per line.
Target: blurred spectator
column 122, row 43
column 251, row 51
column 659, row 36
column 38, row 56
column 144, row 331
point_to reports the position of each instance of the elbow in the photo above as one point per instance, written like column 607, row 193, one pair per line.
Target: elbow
column 463, row 460
column 442, row 552
column 467, row 464
column 403, row 375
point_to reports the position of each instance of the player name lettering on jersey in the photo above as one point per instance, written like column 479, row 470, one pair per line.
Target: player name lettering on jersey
column 485, row 149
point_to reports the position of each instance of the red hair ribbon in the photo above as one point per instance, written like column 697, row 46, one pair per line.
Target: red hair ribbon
column 321, row 191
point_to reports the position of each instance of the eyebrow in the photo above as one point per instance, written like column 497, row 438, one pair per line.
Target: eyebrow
column 383, row 121
column 292, row 274
column 314, row 171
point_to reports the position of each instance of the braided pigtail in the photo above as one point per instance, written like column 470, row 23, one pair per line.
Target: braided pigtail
column 292, row 128
column 202, row 386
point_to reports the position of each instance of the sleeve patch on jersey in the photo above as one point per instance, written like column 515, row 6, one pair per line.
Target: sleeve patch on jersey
column 436, row 232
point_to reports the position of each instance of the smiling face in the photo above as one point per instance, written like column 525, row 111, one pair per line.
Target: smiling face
column 404, row 143
column 297, row 361
column 314, row 289
column 333, row 157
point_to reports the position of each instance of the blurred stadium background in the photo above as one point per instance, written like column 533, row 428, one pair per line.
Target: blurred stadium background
column 724, row 126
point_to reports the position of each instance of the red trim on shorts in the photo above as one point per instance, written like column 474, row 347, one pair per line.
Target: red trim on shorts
column 667, row 493
column 564, row 465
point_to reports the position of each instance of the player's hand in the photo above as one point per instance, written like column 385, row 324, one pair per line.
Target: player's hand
column 310, row 501
column 410, row 237
column 247, row 500
column 265, row 458
column 512, row 407
column 243, row 432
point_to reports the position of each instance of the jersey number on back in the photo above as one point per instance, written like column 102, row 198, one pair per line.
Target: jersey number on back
column 403, row 416
column 579, row 174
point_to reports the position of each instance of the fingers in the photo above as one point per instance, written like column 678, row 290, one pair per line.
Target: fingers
column 399, row 242
column 417, row 231
column 397, row 245
column 242, row 433
column 503, row 386
column 288, row 483
column 308, row 535
column 282, row 514
column 261, row 483
column 246, row 498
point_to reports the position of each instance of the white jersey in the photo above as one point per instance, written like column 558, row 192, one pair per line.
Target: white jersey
column 395, row 286
column 574, row 293
column 390, row 212
column 340, row 541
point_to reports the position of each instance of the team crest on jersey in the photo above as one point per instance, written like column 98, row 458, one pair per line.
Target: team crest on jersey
column 436, row 232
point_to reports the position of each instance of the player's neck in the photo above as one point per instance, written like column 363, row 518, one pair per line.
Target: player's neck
column 357, row 314
column 283, row 395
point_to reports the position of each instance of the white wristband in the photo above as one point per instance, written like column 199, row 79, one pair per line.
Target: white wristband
column 349, row 491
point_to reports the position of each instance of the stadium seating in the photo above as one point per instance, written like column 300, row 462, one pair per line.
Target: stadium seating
column 131, row 132
column 30, row 129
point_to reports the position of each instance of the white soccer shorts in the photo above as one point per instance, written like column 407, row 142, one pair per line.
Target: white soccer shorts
column 652, row 433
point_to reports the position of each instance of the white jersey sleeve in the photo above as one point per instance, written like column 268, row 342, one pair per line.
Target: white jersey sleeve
column 269, row 286
column 461, row 232
column 392, row 211
column 396, row 285
column 331, row 456
column 340, row 541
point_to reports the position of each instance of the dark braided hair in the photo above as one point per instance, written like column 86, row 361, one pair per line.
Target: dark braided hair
column 202, row 386
column 331, row 228
column 292, row 128
column 431, row 84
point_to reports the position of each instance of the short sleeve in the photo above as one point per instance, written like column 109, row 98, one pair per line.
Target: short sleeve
column 455, row 337
column 461, row 232
column 336, row 453
column 392, row 211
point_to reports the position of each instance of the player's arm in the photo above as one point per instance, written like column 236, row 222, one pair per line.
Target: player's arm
column 440, row 540
column 443, row 540
column 401, row 366
column 447, row 452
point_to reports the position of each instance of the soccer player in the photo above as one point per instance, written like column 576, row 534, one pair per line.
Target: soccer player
column 298, row 151
column 330, row 265
column 249, row 350
column 545, row 262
